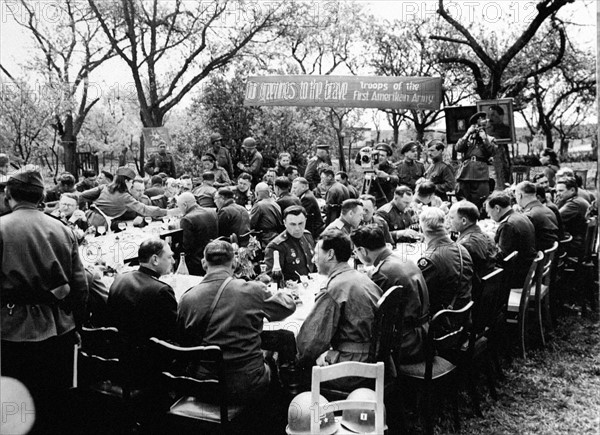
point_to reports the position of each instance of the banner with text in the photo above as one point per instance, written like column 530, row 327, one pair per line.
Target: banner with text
column 421, row 93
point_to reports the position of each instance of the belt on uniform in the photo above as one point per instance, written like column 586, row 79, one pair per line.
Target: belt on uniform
column 478, row 159
column 351, row 347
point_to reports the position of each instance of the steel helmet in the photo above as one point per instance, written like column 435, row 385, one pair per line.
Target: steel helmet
column 360, row 420
column 300, row 412
column 215, row 137
column 249, row 143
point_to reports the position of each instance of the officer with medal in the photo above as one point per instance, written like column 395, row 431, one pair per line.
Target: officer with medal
column 295, row 246
column 161, row 162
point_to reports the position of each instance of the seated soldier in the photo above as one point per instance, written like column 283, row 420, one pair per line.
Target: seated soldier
column 391, row 270
column 205, row 193
column 340, row 325
column 399, row 217
column 235, row 323
column 572, row 210
column 446, row 265
column 351, row 216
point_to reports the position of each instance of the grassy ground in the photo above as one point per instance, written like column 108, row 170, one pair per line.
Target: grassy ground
column 555, row 391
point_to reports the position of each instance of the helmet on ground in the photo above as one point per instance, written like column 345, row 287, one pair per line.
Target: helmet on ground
column 360, row 420
column 301, row 411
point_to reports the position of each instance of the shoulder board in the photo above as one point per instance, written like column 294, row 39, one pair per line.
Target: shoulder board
column 154, row 198
column 385, row 207
column 424, row 263
column 279, row 239
column 307, row 232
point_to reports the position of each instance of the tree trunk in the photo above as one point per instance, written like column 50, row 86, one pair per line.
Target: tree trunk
column 341, row 158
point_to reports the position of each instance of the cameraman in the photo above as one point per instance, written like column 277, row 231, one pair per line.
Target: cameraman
column 477, row 148
column 386, row 176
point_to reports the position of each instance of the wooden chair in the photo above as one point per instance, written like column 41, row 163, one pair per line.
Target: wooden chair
column 202, row 401
column 559, row 289
column 518, row 300
column 541, row 298
column 280, row 347
column 365, row 370
column 448, row 329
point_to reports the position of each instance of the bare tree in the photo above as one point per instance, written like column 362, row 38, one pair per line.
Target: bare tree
column 68, row 48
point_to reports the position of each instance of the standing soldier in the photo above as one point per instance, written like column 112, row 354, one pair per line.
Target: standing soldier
column 410, row 169
column 382, row 188
column 316, row 164
column 440, row 173
column 161, row 162
column 221, row 153
column 474, row 176
column 252, row 160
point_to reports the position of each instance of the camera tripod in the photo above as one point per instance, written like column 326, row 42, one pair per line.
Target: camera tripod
column 368, row 178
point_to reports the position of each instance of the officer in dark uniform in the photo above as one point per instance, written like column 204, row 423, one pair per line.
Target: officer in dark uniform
column 314, row 220
column 252, row 161
column 350, row 218
column 295, row 245
column 161, row 162
column 222, row 155
column 410, row 169
column 477, row 148
column 398, row 217
column 440, row 173
column 316, row 164
column 389, row 271
column 446, row 265
column 336, row 194
column 233, row 218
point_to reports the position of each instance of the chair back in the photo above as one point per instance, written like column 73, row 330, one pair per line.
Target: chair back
column 281, row 341
column 99, row 358
column 520, row 173
column 491, row 303
column 591, row 239
column 364, row 370
column 387, row 327
column 177, row 361
column 532, row 278
column 548, row 263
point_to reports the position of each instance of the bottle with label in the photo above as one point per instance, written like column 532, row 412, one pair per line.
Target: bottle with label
column 276, row 273
column 182, row 268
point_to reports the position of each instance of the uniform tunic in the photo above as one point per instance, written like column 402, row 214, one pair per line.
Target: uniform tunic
column 382, row 188
column 545, row 224
column 287, row 200
column 442, row 175
column 312, row 171
column 473, row 176
column 233, row 219
column 314, row 220
column 253, row 166
column 409, row 172
column 265, row 217
column 340, row 224
column 199, row 226
column 441, row 267
column 573, row 213
column 516, row 233
column 378, row 220
column 295, row 255
column 242, row 198
column 391, row 270
column 161, row 163
column 334, row 197
column 342, row 318
column 396, row 219
column 235, row 327
column 224, row 159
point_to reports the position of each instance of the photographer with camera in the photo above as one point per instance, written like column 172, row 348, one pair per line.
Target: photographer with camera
column 380, row 175
column 473, row 175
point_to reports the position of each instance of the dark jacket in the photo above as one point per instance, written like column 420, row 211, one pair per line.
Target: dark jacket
column 442, row 175
column 390, row 271
column 382, row 188
column 441, row 267
column 410, row 172
column 287, row 200
column 476, row 152
column 312, row 171
column 395, row 219
column 265, row 217
column 573, row 213
column 142, row 306
column 482, row 250
column 233, row 219
column 314, row 220
column 545, row 224
column 161, row 163
column 200, row 226
column 334, row 197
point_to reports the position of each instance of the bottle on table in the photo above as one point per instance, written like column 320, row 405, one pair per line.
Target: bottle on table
column 276, row 272
column 182, row 268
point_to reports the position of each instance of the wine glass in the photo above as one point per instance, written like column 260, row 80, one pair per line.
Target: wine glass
column 101, row 230
column 148, row 219
column 122, row 226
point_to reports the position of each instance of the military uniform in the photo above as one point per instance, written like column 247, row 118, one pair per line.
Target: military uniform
column 312, row 174
column 390, row 271
column 382, row 188
column 473, row 175
column 235, row 327
column 253, row 165
column 295, row 255
column 314, row 220
column 221, row 177
column 205, row 196
column 340, row 224
column 265, row 217
column 516, row 233
column 224, row 160
column 409, row 172
column 448, row 283
column 397, row 220
column 378, row 220
column 199, row 227
column 573, row 213
column 287, row 200
column 242, row 198
column 441, row 174
column 334, row 197
column 161, row 163
column 233, row 219
column 341, row 319
column 545, row 224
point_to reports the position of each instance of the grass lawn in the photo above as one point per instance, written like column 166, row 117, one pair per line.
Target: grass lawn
column 555, row 391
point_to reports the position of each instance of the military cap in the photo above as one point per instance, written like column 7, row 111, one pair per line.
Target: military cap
column 384, row 147
column 225, row 192
column 219, row 247
column 28, row 174
column 126, row 172
column 215, row 137
column 210, row 156
column 409, row 146
column 322, row 147
column 249, row 142
column 473, row 119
